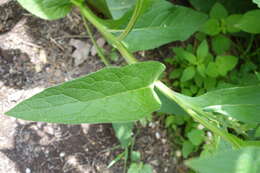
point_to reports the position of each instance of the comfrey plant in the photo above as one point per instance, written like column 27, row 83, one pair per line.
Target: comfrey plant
column 132, row 92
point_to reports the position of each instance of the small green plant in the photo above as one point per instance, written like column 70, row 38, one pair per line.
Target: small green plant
column 199, row 72
column 130, row 93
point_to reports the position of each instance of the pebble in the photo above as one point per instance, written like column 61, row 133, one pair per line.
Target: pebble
column 28, row 170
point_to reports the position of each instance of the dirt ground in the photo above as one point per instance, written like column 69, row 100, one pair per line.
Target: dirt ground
column 35, row 54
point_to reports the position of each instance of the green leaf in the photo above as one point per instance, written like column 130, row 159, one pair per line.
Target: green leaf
column 161, row 24
column 196, row 137
column 135, row 156
column 101, row 6
column 118, row 8
column 257, row 2
column 218, row 11
column 109, row 95
column 176, row 73
column 220, row 44
column 188, row 74
column 123, row 132
column 241, row 103
column 232, row 22
column 168, row 106
column 202, row 51
column 244, row 160
column 210, row 83
column 189, row 57
column 140, row 168
column 187, row 148
column 250, row 22
column 226, row 64
column 202, row 5
column 212, row 70
column 47, row 9
column 211, row 27
column 202, row 70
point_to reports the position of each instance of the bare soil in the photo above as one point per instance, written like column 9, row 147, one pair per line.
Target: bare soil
column 36, row 54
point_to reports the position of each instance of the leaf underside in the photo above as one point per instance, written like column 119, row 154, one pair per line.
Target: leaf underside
column 109, row 95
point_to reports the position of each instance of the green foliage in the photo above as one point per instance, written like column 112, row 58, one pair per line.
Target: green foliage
column 118, row 8
column 140, row 168
column 154, row 30
column 241, row 103
column 133, row 92
column 123, row 133
column 248, row 22
column 47, row 9
column 109, row 95
column 245, row 160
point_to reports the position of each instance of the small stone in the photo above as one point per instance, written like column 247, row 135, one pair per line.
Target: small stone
column 28, row 170
column 157, row 135
column 62, row 154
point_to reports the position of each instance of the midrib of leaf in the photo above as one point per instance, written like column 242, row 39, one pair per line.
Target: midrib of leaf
column 91, row 100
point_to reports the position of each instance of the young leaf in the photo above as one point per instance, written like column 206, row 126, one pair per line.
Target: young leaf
column 188, row 74
column 220, row 44
column 232, row 22
column 211, row 27
column 187, row 148
column 189, row 57
column 196, row 137
column 241, row 103
column 109, row 95
column 47, row 9
column 140, row 168
column 218, row 11
column 244, row 160
column 250, row 22
column 202, row 51
column 212, row 70
column 153, row 30
column 202, row 70
column 123, row 132
column 225, row 64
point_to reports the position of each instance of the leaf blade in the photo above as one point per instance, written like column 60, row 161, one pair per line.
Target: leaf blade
column 109, row 95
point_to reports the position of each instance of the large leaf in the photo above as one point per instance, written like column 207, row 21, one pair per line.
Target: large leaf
column 109, row 95
column 245, row 160
column 118, row 8
column 241, row 103
column 47, row 9
column 161, row 23
column 250, row 22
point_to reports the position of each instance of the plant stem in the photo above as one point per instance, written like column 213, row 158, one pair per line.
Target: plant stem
column 99, row 50
column 196, row 114
column 131, row 23
column 88, row 14
column 193, row 111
